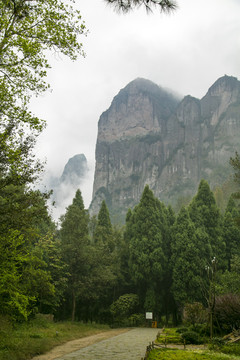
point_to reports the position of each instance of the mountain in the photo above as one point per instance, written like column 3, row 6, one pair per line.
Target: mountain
column 149, row 136
column 72, row 178
column 75, row 170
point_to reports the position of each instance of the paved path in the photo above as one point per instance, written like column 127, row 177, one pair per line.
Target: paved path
column 128, row 346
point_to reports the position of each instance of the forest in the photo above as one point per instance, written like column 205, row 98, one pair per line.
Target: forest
column 89, row 270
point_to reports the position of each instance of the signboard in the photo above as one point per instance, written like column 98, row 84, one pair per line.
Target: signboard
column 149, row 315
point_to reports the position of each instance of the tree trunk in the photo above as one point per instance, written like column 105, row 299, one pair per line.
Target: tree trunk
column 73, row 305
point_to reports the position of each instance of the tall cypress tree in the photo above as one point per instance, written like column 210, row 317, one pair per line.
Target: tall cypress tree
column 206, row 215
column 103, row 234
column 74, row 241
column 147, row 259
column 231, row 232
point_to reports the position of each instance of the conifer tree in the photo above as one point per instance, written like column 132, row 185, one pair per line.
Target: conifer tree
column 206, row 215
column 231, row 232
column 103, row 234
column 74, row 241
column 147, row 259
column 190, row 249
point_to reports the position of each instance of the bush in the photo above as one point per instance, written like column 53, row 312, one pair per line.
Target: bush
column 194, row 314
column 231, row 349
column 181, row 330
column 201, row 329
column 136, row 319
column 227, row 311
column 217, row 341
column 191, row 337
column 124, row 307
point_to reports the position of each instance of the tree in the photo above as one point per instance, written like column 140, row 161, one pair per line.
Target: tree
column 28, row 29
column 127, row 5
column 190, row 253
column 231, row 232
column 146, row 256
column 74, row 240
column 103, row 234
column 205, row 214
column 235, row 162
column 124, row 307
column 26, row 283
column 14, row 300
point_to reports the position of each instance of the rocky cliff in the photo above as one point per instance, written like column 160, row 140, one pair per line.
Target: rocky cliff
column 149, row 136
column 65, row 186
column 75, row 170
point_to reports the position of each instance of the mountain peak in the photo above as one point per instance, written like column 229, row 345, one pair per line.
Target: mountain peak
column 224, row 84
column 75, row 169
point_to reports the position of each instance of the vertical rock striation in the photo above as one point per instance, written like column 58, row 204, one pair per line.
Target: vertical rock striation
column 148, row 136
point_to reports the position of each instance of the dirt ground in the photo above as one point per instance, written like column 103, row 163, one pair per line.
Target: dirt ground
column 74, row 345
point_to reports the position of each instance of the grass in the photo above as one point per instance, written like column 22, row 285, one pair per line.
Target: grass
column 170, row 336
column 172, row 354
column 24, row 341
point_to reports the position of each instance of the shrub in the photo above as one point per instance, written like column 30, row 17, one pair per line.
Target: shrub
column 194, row 314
column 191, row 337
column 217, row 341
column 201, row 329
column 227, row 311
column 136, row 319
column 124, row 307
column 181, row 330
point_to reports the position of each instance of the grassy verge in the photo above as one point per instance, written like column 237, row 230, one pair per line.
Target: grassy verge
column 169, row 336
column 171, row 354
column 23, row 341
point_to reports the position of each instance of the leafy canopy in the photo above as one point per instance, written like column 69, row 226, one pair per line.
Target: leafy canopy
column 29, row 29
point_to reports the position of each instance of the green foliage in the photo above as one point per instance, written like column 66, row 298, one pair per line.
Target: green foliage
column 51, row 291
column 169, row 336
column 25, row 280
column 227, row 311
column 191, row 337
column 194, row 313
column 13, row 296
column 206, row 215
column 173, row 354
column 231, row 231
column 229, row 281
column 37, row 336
column 103, row 234
column 230, row 349
column 125, row 307
column 190, row 248
column 28, row 29
column 146, row 256
column 74, row 240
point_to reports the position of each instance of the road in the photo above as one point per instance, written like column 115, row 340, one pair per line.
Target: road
column 130, row 345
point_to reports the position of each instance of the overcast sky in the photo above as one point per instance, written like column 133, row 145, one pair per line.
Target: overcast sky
column 186, row 51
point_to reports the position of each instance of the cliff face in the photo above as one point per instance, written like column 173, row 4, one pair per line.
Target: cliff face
column 72, row 178
column 75, row 170
column 148, row 136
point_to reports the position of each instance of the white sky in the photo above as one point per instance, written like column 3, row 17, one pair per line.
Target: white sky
column 186, row 51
